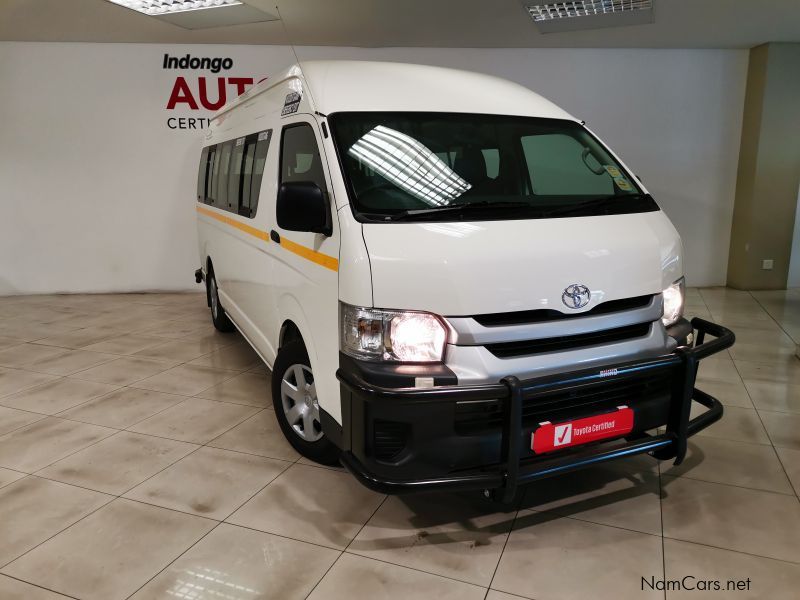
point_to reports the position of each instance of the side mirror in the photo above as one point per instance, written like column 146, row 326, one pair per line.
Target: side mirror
column 301, row 206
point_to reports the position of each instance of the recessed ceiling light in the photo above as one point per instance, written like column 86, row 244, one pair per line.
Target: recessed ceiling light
column 553, row 17
column 195, row 14
column 584, row 8
column 162, row 7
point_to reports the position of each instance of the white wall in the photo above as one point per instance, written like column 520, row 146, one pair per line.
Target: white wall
column 96, row 192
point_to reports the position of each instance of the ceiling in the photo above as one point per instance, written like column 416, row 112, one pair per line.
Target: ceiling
column 424, row 23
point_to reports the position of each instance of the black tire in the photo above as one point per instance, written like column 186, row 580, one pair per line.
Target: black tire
column 218, row 316
column 304, row 432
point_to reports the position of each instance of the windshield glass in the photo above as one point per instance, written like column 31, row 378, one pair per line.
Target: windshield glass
column 439, row 166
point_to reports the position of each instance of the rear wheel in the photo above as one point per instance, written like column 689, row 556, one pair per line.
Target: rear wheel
column 294, row 397
column 218, row 316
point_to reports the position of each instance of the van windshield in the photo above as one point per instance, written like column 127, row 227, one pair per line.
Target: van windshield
column 445, row 167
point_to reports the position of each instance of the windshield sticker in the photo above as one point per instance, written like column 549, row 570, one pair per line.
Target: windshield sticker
column 623, row 184
column 613, row 171
column 291, row 103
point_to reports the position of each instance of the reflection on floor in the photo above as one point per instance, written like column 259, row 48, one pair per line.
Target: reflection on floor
column 139, row 456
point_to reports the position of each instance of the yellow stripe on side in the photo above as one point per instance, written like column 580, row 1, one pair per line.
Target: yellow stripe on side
column 262, row 235
column 317, row 257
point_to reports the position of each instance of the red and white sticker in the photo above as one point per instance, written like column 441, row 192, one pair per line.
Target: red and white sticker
column 549, row 436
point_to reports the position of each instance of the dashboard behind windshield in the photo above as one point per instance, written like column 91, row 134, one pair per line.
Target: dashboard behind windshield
column 440, row 166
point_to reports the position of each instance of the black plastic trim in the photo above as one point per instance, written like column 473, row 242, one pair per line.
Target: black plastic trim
column 330, row 427
column 569, row 342
column 393, row 375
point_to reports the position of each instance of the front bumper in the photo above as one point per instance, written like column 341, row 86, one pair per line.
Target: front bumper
column 477, row 436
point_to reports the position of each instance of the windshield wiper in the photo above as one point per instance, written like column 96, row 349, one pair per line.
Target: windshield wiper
column 596, row 203
column 455, row 208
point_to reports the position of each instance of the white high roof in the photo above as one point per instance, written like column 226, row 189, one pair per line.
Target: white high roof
column 347, row 85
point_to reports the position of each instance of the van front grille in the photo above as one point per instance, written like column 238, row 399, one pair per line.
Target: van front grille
column 543, row 315
column 569, row 403
column 568, row 342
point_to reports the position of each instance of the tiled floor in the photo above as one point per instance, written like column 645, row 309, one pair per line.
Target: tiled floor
column 139, row 458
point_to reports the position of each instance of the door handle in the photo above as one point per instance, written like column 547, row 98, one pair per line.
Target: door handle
column 275, row 236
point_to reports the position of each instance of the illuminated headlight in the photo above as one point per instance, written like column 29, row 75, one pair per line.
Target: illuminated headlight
column 673, row 303
column 391, row 335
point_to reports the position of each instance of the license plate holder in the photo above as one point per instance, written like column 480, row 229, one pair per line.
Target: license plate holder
column 550, row 437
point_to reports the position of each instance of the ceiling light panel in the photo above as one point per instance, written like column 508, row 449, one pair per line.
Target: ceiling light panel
column 556, row 17
column 164, row 7
column 584, row 8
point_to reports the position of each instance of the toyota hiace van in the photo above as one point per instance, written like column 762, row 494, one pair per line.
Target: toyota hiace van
column 455, row 283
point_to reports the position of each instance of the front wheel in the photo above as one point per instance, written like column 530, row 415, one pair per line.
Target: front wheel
column 294, row 397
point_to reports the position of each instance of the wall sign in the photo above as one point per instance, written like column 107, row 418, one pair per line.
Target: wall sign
column 201, row 93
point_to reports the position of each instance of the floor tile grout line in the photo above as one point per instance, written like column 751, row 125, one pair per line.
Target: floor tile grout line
column 489, row 590
column 200, row 539
column 417, row 569
column 206, row 445
column 366, row 522
column 325, row 574
column 41, row 587
column 219, row 522
column 573, row 518
column 118, row 431
column 114, row 391
column 16, row 558
column 730, row 485
column 741, row 487
column 281, row 535
column 505, row 543
column 247, row 418
column 696, row 543
column 122, row 495
column 778, row 323
column 343, row 550
column 769, row 436
column 10, row 431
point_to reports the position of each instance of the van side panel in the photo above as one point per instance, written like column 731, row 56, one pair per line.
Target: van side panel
column 306, row 279
column 266, row 279
column 239, row 246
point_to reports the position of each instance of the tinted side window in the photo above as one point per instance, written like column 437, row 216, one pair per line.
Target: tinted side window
column 255, row 157
column 230, row 173
column 300, row 158
column 221, row 185
column 213, row 176
column 235, row 175
column 201, row 176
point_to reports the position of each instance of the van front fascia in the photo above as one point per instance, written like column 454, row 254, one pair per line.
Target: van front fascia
column 434, row 423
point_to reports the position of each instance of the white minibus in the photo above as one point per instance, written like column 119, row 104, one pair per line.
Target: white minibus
column 455, row 283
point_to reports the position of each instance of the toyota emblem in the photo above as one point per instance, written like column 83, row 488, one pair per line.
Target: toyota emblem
column 576, row 296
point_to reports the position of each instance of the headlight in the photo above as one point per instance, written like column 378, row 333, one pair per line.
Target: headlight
column 391, row 335
column 673, row 303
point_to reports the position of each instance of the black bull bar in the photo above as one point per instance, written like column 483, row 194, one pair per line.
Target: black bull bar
column 504, row 478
